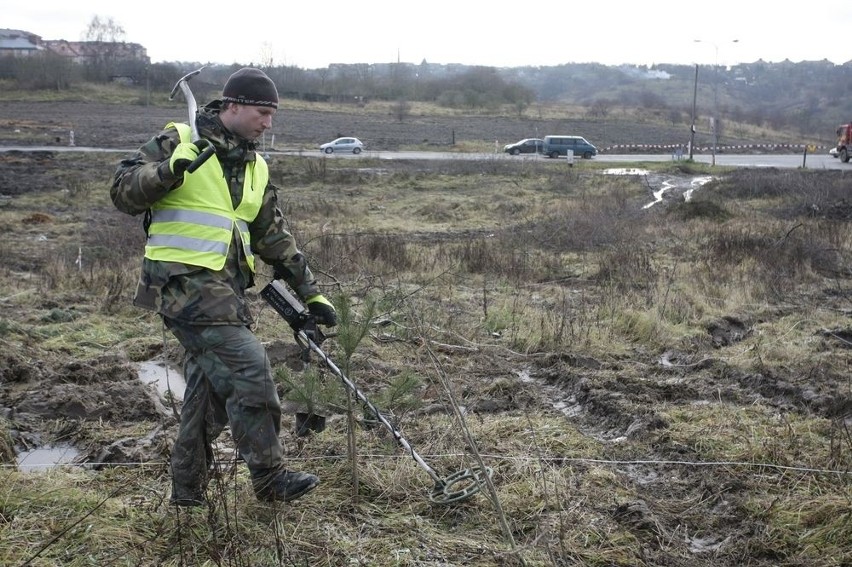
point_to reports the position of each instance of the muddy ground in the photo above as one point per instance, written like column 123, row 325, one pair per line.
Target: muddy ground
column 50, row 397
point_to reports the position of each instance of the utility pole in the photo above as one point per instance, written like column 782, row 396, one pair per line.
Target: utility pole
column 714, row 121
column 692, row 128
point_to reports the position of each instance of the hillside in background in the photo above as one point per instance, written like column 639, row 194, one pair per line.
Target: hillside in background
column 747, row 103
column 806, row 97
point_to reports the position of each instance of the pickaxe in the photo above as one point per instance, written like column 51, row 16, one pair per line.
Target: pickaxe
column 192, row 107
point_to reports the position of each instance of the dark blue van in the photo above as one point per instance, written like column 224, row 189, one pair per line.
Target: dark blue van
column 555, row 146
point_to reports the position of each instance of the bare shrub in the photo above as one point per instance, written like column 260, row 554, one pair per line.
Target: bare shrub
column 596, row 221
column 315, row 206
column 730, row 245
column 782, row 260
column 698, row 209
column 356, row 254
column 813, row 187
column 627, row 267
column 505, row 256
column 315, row 169
column 102, row 263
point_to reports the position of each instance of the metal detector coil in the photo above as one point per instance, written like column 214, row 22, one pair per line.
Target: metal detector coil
column 456, row 487
column 459, row 486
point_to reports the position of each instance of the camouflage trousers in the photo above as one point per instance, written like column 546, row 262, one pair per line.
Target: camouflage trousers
column 228, row 382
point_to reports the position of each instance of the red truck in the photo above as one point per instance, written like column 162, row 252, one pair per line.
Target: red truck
column 844, row 142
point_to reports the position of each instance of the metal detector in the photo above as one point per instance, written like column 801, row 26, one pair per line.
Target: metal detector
column 456, row 487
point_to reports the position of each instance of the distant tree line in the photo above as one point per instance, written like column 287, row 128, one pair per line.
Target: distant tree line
column 807, row 97
column 470, row 88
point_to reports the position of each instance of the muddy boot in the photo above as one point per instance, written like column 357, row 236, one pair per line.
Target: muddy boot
column 276, row 484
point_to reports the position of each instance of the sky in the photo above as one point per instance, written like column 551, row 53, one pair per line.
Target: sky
column 312, row 35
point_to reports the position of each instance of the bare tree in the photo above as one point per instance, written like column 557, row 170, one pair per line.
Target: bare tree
column 601, row 107
column 266, row 55
column 675, row 116
column 103, row 36
column 104, row 31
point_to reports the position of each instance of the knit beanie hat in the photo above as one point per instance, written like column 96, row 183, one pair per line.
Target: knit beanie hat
column 250, row 86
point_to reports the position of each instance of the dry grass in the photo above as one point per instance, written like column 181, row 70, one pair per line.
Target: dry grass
column 651, row 387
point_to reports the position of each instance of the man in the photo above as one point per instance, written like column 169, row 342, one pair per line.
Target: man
column 204, row 230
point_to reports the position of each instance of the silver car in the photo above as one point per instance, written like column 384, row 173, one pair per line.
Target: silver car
column 353, row 145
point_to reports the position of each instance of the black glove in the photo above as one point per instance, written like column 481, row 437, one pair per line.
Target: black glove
column 185, row 153
column 322, row 309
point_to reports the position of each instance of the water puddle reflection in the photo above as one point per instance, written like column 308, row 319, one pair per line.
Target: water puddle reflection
column 625, row 171
column 46, row 458
column 696, row 183
column 686, row 186
column 167, row 380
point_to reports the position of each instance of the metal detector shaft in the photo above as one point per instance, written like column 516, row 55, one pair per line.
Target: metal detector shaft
column 354, row 389
column 456, row 487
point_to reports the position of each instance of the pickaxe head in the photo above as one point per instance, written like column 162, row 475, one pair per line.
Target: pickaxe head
column 192, row 106
column 183, row 85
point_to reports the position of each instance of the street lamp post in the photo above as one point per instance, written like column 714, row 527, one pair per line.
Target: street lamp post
column 692, row 127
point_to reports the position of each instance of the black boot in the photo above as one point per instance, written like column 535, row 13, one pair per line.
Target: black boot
column 283, row 485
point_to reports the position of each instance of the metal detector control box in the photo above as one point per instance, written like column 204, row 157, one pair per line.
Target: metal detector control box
column 290, row 308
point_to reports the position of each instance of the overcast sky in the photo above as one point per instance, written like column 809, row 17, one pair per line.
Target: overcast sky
column 312, row 34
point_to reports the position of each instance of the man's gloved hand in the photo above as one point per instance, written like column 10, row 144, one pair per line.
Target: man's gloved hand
column 322, row 310
column 184, row 154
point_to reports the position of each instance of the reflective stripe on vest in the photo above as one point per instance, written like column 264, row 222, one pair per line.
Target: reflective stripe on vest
column 194, row 224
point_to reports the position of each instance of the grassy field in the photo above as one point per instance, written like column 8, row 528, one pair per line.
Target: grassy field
column 663, row 385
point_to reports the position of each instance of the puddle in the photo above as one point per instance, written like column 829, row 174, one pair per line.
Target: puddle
column 666, row 185
column 687, row 190
column 569, row 407
column 706, row 544
column 696, row 183
column 167, row 380
column 47, row 457
column 625, row 171
column 658, row 194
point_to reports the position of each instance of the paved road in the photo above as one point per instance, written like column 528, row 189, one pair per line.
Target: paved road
column 811, row 161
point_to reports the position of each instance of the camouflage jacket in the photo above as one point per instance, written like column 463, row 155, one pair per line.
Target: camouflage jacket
column 191, row 294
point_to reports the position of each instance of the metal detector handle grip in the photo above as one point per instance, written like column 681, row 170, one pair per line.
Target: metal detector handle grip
column 202, row 157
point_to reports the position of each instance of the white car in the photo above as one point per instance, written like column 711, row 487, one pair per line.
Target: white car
column 353, row 145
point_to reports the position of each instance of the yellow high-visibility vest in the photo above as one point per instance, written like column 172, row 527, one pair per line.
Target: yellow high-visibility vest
column 194, row 224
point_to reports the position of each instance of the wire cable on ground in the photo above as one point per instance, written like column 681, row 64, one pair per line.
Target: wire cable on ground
column 545, row 458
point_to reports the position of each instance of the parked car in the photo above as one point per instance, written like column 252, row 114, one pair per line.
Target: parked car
column 353, row 145
column 525, row 146
column 555, row 146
